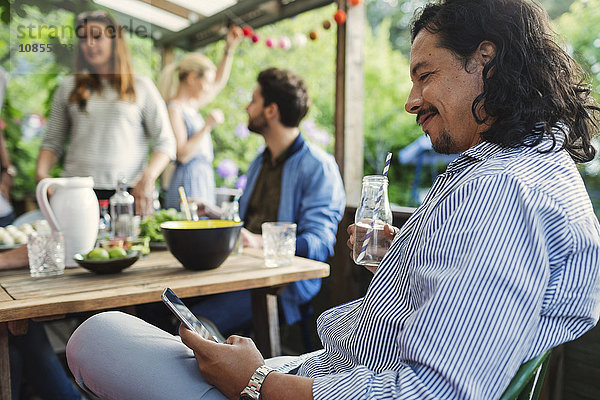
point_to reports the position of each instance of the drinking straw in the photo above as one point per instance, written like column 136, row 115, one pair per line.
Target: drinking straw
column 185, row 207
column 371, row 229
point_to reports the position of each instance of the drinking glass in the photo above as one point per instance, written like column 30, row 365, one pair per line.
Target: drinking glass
column 46, row 252
column 279, row 243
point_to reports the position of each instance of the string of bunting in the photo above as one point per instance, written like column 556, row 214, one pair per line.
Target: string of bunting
column 299, row 39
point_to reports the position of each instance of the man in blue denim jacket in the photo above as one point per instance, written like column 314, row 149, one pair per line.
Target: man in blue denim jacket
column 290, row 181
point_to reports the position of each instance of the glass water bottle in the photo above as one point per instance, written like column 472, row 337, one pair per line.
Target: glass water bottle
column 370, row 218
column 121, row 211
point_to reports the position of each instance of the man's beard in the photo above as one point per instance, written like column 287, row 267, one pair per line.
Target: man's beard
column 257, row 124
column 444, row 144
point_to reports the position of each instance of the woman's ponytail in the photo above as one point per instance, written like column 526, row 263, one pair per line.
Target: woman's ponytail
column 168, row 81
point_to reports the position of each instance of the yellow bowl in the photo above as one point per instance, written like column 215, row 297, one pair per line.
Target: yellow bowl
column 203, row 244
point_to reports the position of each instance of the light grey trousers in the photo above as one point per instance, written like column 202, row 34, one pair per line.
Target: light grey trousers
column 114, row 355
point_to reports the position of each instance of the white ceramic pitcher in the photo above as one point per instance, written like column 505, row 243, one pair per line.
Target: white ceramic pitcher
column 73, row 210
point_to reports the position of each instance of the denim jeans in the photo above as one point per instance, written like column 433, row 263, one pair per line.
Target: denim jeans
column 231, row 312
column 7, row 219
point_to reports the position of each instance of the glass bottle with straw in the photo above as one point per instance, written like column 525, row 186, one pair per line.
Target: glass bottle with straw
column 189, row 209
column 374, row 212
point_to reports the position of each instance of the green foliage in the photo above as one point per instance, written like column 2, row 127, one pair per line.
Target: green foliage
column 400, row 12
column 581, row 29
column 150, row 225
column 387, row 126
column 556, row 8
column 144, row 56
column 23, row 154
column 33, row 79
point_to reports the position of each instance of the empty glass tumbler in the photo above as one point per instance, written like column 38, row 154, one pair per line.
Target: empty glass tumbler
column 46, row 253
column 370, row 242
column 279, row 243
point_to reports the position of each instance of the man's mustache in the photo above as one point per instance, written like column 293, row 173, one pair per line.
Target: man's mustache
column 430, row 110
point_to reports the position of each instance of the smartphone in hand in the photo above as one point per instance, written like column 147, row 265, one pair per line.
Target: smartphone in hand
column 185, row 315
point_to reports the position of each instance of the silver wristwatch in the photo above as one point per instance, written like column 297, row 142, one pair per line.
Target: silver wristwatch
column 252, row 391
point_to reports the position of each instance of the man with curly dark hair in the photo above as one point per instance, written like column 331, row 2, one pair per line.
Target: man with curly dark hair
column 530, row 87
column 499, row 264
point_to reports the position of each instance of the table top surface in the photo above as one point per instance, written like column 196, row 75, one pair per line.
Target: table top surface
column 79, row 290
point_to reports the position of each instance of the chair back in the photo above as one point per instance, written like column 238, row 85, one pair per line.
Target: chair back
column 527, row 383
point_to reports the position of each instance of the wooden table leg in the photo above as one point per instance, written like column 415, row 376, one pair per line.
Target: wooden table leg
column 5, row 393
column 265, row 318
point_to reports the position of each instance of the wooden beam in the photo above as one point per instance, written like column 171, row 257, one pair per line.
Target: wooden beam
column 353, row 141
column 206, row 23
column 340, row 94
column 172, row 8
column 255, row 13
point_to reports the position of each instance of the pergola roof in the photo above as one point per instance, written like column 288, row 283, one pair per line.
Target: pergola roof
column 190, row 24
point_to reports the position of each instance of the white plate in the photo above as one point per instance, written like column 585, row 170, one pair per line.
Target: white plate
column 4, row 247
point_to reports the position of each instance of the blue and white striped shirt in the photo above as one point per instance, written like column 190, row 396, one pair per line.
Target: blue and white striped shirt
column 499, row 264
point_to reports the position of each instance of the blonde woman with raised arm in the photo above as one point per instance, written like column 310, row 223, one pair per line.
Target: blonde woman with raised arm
column 187, row 86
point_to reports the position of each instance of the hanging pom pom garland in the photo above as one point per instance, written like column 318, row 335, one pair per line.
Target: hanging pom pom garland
column 248, row 31
column 340, row 17
column 299, row 39
column 285, row 43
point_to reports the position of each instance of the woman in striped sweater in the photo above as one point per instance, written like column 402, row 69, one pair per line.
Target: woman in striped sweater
column 105, row 119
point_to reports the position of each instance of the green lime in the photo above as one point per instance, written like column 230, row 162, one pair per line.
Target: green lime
column 98, row 254
column 117, row 252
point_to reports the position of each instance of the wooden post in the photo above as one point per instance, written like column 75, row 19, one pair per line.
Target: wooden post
column 5, row 389
column 265, row 314
column 349, row 101
column 340, row 95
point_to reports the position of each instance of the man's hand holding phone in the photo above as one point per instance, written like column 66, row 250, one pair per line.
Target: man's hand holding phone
column 184, row 315
column 229, row 365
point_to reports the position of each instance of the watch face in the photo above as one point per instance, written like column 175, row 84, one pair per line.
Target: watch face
column 245, row 396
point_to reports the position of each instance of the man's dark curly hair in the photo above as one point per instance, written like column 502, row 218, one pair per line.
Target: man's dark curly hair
column 531, row 79
column 288, row 91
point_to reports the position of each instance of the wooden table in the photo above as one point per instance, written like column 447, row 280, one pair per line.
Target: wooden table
column 23, row 297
